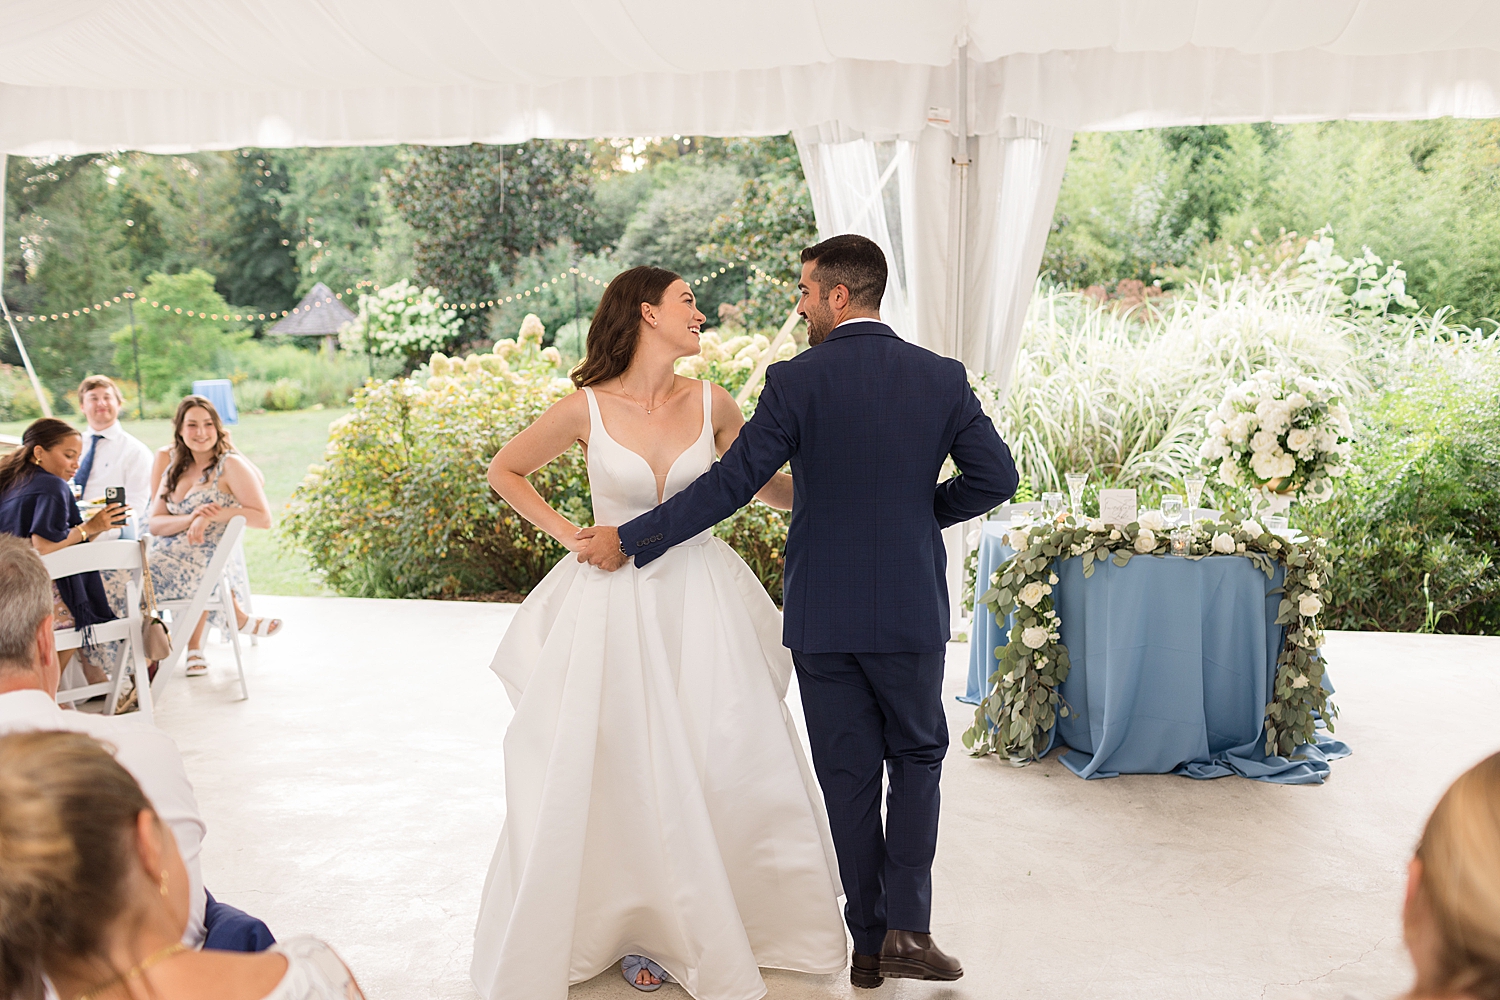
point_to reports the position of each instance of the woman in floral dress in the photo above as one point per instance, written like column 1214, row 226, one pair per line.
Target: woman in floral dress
column 202, row 483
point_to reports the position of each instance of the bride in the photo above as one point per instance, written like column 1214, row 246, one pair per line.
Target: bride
column 659, row 808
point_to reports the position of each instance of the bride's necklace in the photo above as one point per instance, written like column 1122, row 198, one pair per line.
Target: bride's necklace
column 155, row 958
column 648, row 406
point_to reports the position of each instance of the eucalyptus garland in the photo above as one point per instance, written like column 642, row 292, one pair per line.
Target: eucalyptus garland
column 1023, row 703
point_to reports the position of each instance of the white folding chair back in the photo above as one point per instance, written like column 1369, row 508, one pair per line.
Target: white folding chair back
column 213, row 587
column 101, row 556
column 1005, row 511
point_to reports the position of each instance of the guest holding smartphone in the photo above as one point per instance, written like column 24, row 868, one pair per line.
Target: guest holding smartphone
column 36, row 503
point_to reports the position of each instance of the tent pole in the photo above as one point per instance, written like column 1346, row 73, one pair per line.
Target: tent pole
column 36, row 383
column 961, row 227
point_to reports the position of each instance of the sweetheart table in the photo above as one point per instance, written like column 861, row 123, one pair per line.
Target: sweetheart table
column 1173, row 662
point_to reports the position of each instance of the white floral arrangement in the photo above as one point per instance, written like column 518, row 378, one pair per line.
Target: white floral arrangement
column 401, row 321
column 1281, row 433
column 1022, row 705
column 525, row 354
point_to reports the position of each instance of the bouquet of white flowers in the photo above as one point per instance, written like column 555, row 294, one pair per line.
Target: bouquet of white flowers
column 1281, row 433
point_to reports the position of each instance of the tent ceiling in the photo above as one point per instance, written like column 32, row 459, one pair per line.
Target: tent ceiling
column 164, row 75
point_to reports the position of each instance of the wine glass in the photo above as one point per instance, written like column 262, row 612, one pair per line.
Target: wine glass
column 1075, row 491
column 1052, row 505
column 1171, row 509
column 1194, row 484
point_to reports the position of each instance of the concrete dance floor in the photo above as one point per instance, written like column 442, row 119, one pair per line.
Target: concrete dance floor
column 357, row 796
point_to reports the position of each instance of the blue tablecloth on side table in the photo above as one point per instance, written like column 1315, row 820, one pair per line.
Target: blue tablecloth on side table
column 1173, row 662
column 220, row 392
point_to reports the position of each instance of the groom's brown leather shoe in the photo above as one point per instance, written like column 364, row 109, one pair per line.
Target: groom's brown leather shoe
column 864, row 971
column 909, row 955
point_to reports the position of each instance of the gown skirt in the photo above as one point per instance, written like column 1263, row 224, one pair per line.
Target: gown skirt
column 658, row 798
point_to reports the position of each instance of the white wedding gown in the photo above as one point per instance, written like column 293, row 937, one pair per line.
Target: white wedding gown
column 658, row 801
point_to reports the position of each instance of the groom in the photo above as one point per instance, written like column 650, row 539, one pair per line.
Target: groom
column 866, row 421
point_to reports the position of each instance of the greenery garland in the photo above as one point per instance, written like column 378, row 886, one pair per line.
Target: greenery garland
column 1023, row 703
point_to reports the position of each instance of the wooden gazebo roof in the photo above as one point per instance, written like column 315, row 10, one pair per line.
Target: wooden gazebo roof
column 319, row 314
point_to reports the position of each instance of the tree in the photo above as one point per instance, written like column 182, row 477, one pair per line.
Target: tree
column 176, row 348
column 335, row 213
column 259, row 269
column 768, row 225
column 476, row 206
column 668, row 230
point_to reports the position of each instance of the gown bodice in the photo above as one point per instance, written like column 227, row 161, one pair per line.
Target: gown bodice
column 621, row 481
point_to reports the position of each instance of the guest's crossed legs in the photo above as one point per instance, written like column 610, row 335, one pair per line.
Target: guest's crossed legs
column 864, row 710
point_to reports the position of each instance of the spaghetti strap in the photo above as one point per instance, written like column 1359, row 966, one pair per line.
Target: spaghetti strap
column 595, row 420
column 708, row 408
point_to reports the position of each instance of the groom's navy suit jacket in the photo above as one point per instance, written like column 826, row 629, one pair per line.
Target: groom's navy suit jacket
column 866, row 419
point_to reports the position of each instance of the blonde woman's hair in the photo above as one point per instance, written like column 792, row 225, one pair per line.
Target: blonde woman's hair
column 67, row 816
column 1460, row 886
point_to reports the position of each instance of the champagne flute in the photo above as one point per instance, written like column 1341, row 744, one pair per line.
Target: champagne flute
column 1194, row 484
column 1052, row 505
column 1075, row 491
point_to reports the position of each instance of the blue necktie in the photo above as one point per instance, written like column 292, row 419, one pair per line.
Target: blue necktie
column 81, row 477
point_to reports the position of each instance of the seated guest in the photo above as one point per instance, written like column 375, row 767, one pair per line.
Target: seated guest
column 37, row 504
column 94, row 895
column 111, row 457
column 28, row 686
column 201, row 484
column 1452, row 915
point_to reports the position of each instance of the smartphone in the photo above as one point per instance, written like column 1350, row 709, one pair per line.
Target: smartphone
column 114, row 494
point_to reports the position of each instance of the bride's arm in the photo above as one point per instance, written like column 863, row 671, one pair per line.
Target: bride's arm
column 727, row 423
column 554, row 432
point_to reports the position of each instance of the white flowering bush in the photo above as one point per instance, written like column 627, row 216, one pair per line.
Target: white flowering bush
column 1023, row 703
column 401, row 321
column 1280, row 432
column 731, row 362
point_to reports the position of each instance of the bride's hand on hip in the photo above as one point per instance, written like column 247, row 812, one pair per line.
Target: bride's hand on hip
column 600, row 546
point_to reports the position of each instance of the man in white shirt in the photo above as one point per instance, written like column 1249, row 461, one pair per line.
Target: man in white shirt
column 111, row 457
column 28, row 689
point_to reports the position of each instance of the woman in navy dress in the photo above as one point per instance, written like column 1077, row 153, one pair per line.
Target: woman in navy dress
column 36, row 503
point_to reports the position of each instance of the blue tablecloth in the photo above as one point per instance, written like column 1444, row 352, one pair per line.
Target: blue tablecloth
column 1173, row 661
column 220, row 392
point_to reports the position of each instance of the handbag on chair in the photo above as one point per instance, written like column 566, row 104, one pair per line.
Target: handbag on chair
column 154, row 635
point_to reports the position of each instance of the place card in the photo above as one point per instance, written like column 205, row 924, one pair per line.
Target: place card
column 1117, row 506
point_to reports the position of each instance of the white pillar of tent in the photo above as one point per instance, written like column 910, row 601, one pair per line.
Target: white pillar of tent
column 962, row 213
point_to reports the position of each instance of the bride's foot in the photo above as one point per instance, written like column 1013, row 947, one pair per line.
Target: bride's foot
column 642, row 973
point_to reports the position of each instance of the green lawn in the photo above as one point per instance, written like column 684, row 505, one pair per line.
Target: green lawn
column 283, row 445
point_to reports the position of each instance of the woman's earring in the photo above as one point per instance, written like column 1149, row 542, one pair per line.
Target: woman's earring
column 164, row 883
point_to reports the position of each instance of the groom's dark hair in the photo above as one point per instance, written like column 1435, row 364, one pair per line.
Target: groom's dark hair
column 852, row 261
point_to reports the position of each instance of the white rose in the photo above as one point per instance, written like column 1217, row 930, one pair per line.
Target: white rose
column 1239, row 427
column 1300, row 682
column 1114, row 534
column 1252, row 527
column 1327, row 440
column 1265, row 463
column 1096, row 526
column 1152, row 520
column 1296, row 401
column 1309, row 605
column 1229, row 473
column 1035, row 637
column 1300, row 440
column 1285, row 465
column 1051, row 579
column 1030, row 594
column 1312, row 580
column 1264, row 441
column 1223, row 543
column 1016, row 539
column 1145, row 541
column 1334, row 470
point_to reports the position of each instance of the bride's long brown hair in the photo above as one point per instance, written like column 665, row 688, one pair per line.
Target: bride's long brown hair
column 616, row 327
column 182, row 455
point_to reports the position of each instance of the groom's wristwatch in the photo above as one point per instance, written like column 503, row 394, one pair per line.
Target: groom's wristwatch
column 622, row 548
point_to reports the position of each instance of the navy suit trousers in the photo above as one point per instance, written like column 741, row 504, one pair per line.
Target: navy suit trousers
column 864, row 710
column 232, row 929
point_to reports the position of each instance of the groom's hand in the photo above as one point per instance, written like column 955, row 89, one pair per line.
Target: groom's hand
column 601, row 547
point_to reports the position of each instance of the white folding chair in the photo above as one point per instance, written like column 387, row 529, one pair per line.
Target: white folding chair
column 242, row 568
column 112, row 555
column 1006, row 510
column 213, row 587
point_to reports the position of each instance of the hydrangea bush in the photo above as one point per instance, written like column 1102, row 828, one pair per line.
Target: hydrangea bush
column 401, row 321
column 400, row 506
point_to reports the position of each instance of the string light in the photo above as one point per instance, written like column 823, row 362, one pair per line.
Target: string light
column 358, row 286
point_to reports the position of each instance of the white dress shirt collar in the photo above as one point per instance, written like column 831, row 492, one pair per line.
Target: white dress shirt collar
column 113, row 432
column 860, row 319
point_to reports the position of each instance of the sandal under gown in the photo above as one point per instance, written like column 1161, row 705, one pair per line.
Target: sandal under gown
column 658, row 801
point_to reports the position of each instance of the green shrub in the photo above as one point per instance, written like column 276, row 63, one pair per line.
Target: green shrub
column 17, row 397
column 1418, row 528
column 282, row 376
column 400, row 506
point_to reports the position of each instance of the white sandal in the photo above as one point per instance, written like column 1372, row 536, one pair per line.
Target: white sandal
column 197, row 663
column 261, row 626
